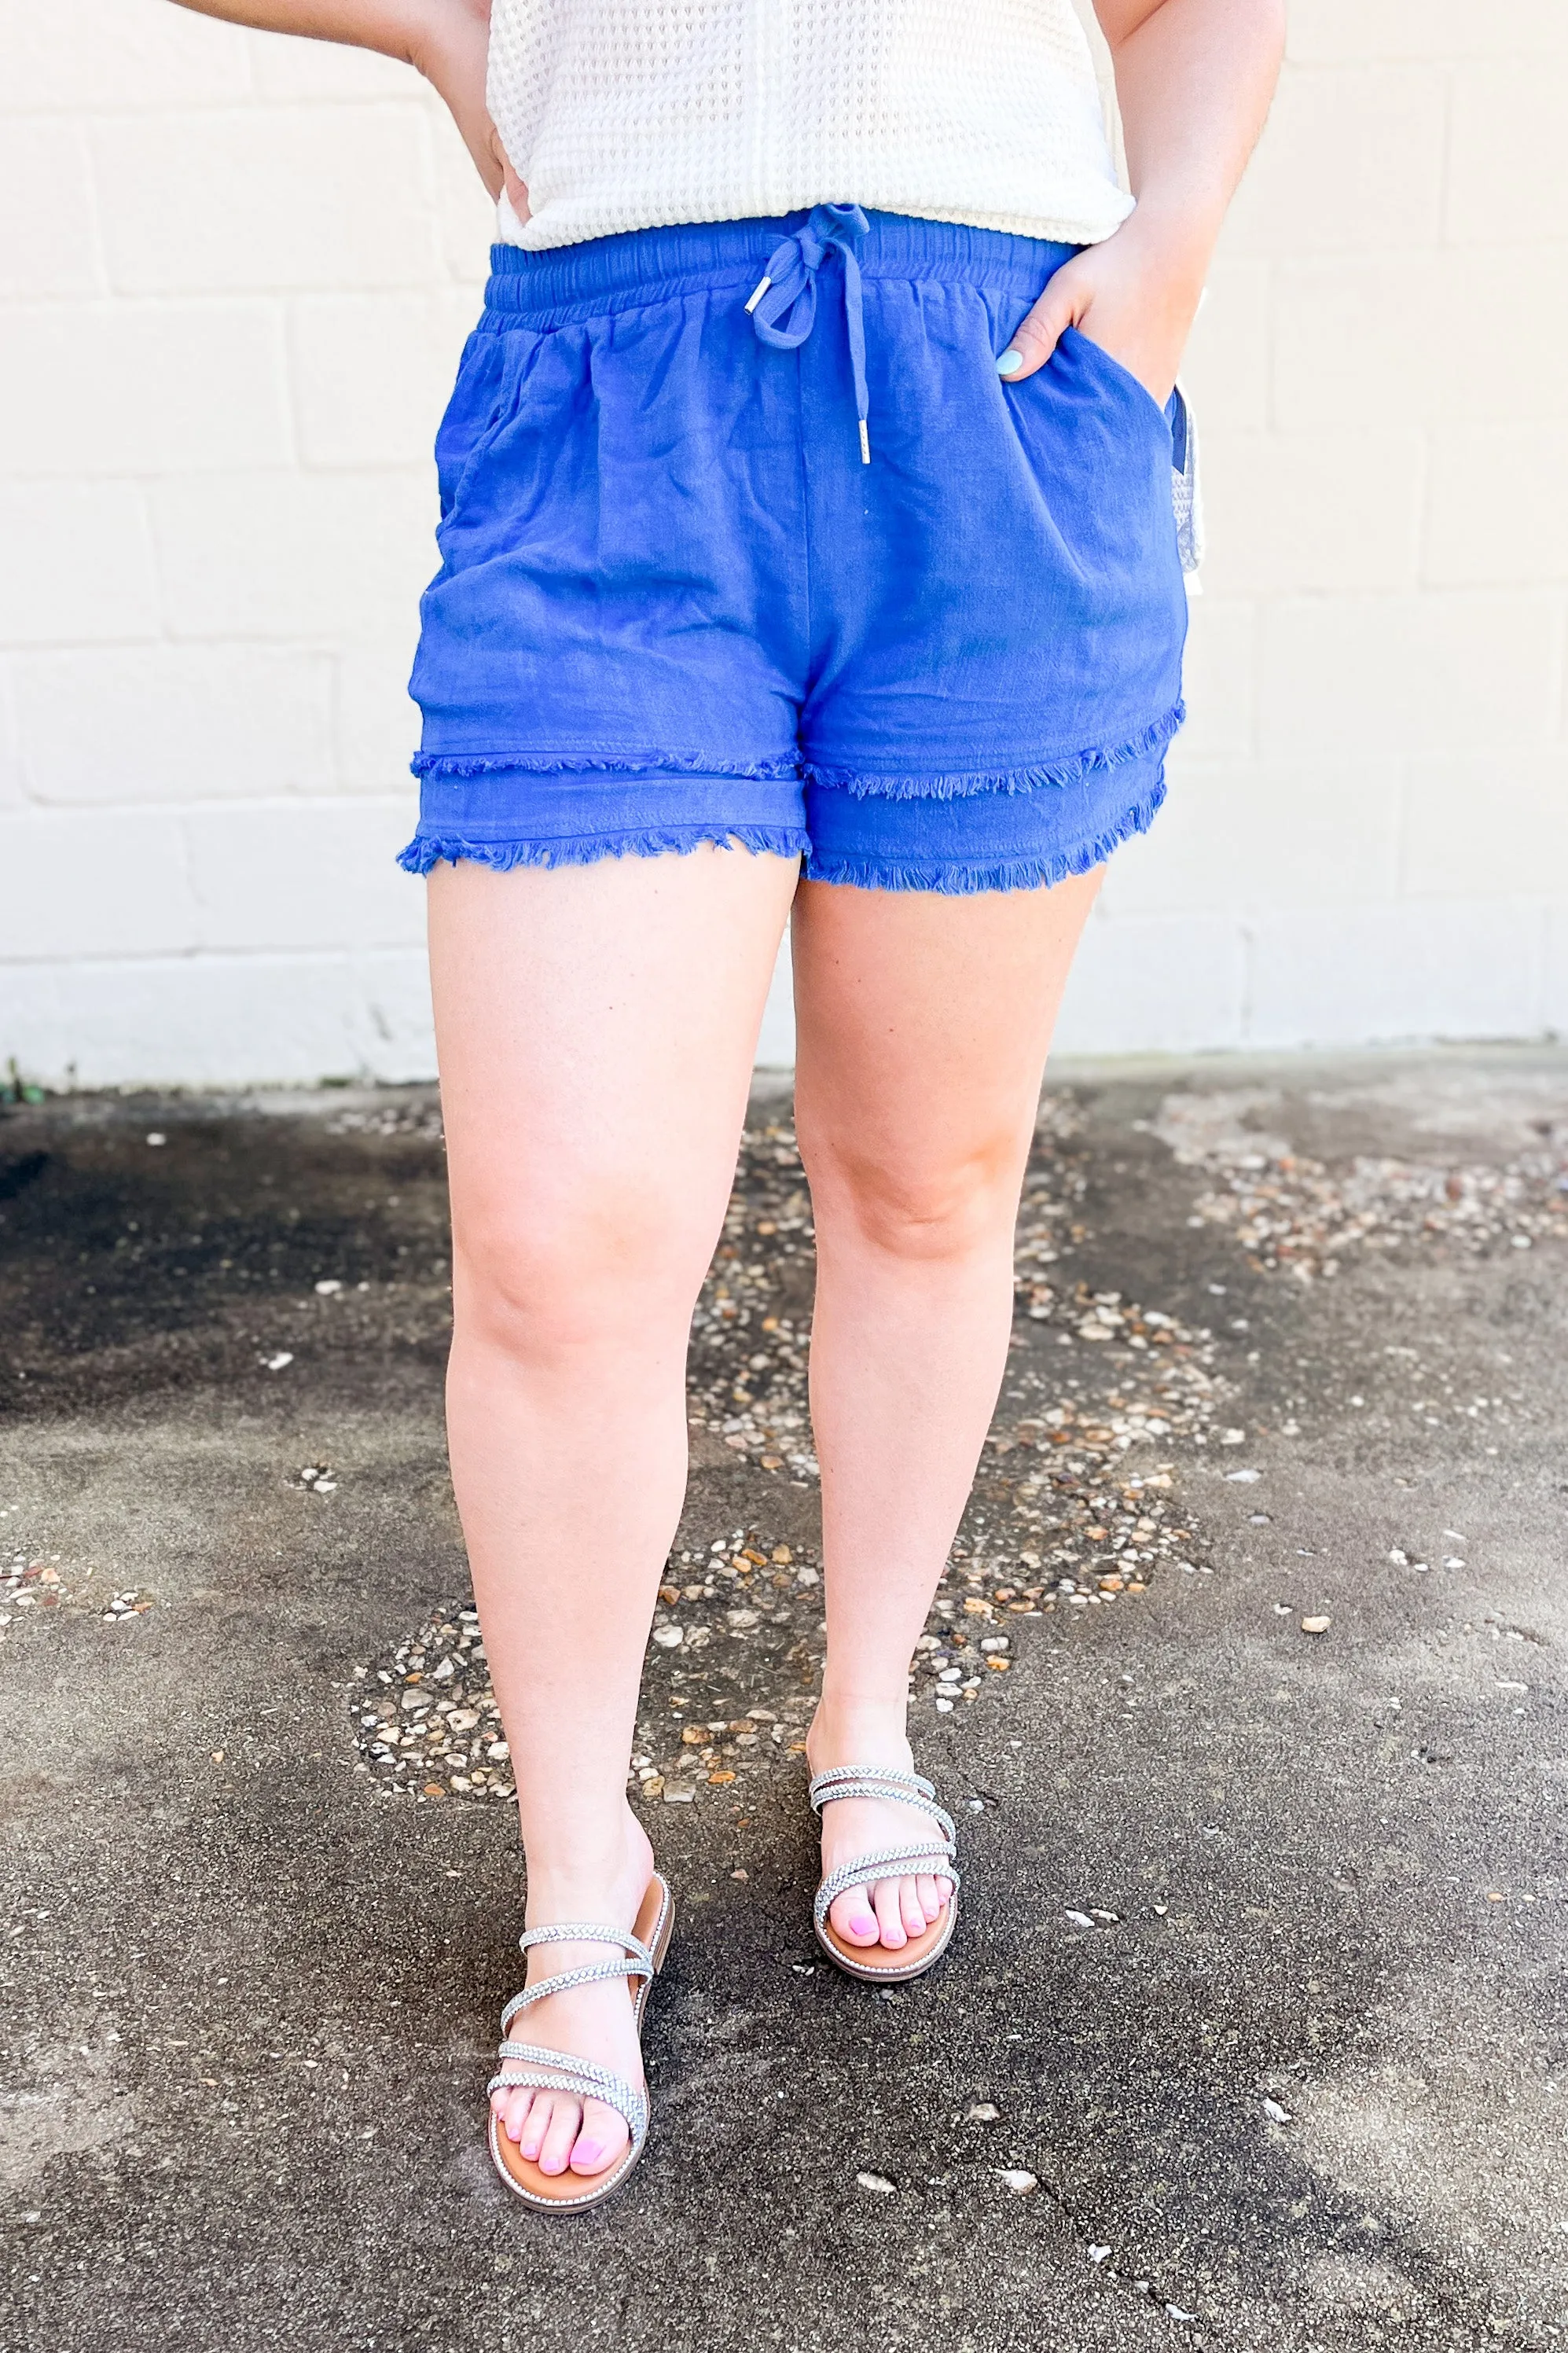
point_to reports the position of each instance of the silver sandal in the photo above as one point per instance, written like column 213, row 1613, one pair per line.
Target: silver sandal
column 912, row 1959
column 641, row 1955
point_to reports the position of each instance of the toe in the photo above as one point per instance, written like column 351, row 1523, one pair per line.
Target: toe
column 603, row 2135
column 885, row 1904
column 555, row 2149
column 931, row 1902
column 853, row 1917
column 910, row 1912
column 536, row 2124
column 512, row 2109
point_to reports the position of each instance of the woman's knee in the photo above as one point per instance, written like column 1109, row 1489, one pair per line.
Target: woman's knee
column 920, row 1205
column 608, row 1268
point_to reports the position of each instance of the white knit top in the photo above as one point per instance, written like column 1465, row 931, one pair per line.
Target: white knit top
column 625, row 114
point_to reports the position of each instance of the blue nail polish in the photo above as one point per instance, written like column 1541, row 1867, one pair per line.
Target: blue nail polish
column 1010, row 362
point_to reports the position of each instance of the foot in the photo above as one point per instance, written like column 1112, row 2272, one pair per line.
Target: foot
column 889, row 1912
column 560, row 2133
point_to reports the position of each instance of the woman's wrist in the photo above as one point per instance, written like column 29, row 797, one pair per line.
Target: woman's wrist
column 1178, row 241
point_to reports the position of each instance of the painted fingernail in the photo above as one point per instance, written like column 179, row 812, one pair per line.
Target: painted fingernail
column 1011, row 361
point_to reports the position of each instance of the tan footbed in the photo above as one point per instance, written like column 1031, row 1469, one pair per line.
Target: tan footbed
column 911, row 1960
column 654, row 1920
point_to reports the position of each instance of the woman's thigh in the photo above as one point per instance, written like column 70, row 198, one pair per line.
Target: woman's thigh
column 596, row 1026
column 924, row 1020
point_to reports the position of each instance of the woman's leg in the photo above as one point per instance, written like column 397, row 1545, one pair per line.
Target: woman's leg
column 596, row 1027
column 923, row 1025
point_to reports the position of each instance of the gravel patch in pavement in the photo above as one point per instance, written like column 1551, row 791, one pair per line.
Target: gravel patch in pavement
column 421, row 1117
column 1292, row 1212
column 1076, row 1506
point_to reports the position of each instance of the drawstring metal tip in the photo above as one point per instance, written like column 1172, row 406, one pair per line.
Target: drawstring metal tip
column 763, row 282
column 865, row 444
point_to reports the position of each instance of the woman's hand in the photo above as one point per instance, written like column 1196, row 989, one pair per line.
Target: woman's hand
column 1135, row 295
column 1194, row 78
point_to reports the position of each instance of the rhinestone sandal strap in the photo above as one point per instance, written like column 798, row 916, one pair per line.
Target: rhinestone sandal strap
column 903, row 1789
column 910, row 1789
column 592, row 1973
column 887, row 1862
column 539, row 2070
column 586, row 1932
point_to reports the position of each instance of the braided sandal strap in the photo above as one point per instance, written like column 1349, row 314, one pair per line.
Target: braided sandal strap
column 635, row 1962
column 594, row 1973
column 559, row 2070
column 885, row 1784
column 912, row 1790
column 887, row 1862
column 587, row 1932
column 905, row 1789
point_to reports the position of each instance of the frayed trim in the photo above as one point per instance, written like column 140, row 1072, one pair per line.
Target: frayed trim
column 423, row 852
column 1010, row 875
column 565, row 763
column 1070, row 771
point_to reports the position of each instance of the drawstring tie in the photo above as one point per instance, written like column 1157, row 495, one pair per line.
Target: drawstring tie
column 783, row 305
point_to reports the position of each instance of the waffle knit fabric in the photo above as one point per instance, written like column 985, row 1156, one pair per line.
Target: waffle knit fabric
column 631, row 115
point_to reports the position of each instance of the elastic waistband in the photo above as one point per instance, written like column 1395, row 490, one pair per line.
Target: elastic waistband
column 607, row 273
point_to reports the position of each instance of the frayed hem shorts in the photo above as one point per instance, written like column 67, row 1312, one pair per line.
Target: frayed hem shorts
column 744, row 540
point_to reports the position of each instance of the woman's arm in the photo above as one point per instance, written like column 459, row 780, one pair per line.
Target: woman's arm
column 1194, row 79
column 446, row 40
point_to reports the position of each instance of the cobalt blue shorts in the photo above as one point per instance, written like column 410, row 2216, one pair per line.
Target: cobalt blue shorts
column 744, row 540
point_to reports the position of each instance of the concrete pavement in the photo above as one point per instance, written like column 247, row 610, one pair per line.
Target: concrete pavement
column 1261, row 1964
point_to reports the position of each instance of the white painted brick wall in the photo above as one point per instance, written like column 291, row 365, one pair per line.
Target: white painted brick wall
column 235, row 277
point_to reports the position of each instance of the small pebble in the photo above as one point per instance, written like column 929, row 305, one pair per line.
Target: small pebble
column 1019, row 2181
column 1315, row 1625
column 879, row 2182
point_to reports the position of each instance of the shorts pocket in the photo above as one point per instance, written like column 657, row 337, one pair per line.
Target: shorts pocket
column 1132, row 387
column 1177, row 426
column 481, row 404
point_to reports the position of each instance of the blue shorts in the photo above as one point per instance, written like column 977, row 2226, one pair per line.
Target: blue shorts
column 787, row 565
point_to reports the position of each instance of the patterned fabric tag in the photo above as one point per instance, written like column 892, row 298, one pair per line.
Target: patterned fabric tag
column 1185, row 494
